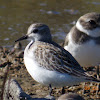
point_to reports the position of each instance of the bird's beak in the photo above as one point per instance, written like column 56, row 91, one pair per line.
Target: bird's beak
column 22, row 38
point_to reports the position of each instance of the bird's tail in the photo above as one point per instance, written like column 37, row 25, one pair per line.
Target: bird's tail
column 92, row 79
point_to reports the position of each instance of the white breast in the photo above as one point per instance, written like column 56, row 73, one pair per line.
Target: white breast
column 87, row 54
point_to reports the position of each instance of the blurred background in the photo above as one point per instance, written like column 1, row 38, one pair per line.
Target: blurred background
column 59, row 15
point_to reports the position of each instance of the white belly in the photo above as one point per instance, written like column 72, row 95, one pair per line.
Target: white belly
column 87, row 54
column 47, row 77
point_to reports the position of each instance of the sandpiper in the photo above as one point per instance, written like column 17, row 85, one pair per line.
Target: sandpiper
column 83, row 40
column 48, row 63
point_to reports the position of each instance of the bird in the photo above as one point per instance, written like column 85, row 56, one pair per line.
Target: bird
column 48, row 63
column 83, row 40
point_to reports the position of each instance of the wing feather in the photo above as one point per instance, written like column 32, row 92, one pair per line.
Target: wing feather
column 57, row 59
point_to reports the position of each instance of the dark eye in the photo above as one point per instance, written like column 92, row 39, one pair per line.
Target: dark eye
column 35, row 31
column 92, row 22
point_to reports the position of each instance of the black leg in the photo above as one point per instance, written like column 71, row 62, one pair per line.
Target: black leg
column 50, row 89
column 63, row 90
column 97, row 70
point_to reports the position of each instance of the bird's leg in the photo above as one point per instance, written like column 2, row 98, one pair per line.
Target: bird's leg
column 50, row 89
column 84, row 88
column 97, row 70
column 63, row 90
column 49, row 97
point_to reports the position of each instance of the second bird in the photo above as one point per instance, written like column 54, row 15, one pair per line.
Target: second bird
column 83, row 40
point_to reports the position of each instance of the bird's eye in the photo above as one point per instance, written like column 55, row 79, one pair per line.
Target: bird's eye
column 35, row 31
column 92, row 22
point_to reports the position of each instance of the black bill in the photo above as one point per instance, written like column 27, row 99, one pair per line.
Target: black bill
column 22, row 38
